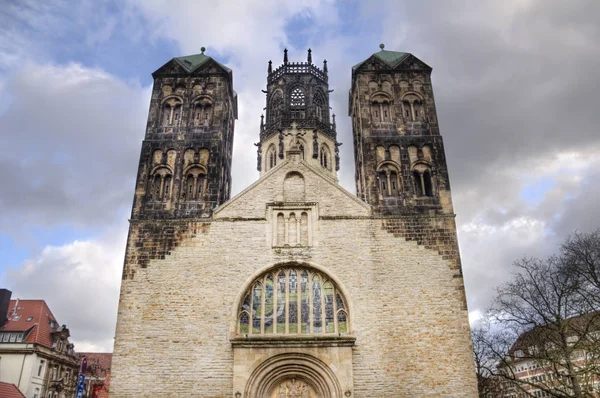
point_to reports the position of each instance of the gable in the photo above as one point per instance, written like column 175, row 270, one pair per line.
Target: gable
column 282, row 184
column 170, row 68
column 389, row 60
column 412, row 62
column 191, row 65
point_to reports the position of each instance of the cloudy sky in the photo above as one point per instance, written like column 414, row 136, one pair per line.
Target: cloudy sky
column 516, row 85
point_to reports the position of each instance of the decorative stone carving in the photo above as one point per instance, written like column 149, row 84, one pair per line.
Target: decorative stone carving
column 293, row 388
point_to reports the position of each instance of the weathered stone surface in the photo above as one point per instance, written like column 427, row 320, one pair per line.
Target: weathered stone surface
column 394, row 258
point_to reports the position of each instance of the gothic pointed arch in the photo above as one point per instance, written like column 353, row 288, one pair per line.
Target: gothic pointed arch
column 275, row 107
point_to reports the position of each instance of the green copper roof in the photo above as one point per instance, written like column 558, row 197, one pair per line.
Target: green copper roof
column 192, row 62
column 391, row 58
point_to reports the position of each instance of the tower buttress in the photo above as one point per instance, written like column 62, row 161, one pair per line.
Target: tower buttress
column 399, row 153
column 185, row 162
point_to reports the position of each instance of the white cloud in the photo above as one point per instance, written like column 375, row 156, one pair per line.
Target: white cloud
column 80, row 283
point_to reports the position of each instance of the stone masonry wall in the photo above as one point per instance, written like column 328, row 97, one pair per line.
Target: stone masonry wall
column 401, row 277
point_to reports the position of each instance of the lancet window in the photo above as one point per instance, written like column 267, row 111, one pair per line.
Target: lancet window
column 319, row 107
column 276, row 108
column 293, row 301
column 325, row 157
column 271, row 157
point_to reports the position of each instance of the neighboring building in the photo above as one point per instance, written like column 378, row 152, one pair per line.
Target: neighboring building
column 97, row 376
column 538, row 363
column 295, row 287
column 35, row 353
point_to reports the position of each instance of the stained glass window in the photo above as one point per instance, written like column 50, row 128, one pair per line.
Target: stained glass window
column 290, row 301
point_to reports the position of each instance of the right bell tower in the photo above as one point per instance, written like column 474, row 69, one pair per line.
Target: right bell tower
column 398, row 149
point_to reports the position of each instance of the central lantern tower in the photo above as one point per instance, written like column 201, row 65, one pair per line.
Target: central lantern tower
column 298, row 117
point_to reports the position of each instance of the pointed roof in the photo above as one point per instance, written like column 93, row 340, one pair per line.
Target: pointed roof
column 390, row 58
column 192, row 62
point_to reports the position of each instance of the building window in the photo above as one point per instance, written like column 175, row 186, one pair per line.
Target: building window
column 293, row 300
column 41, row 368
column 297, row 97
column 160, row 185
column 36, row 393
column 324, row 157
column 194, row 184
column 271, row 157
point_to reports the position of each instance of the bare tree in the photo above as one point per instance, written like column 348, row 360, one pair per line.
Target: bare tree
column 544, row 320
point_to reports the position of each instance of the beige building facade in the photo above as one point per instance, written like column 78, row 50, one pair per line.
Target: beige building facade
column 295, row 287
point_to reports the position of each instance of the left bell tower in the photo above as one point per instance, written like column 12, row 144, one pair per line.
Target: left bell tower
column 185, row 162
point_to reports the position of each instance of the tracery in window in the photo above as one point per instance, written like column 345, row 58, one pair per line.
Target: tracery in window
column 293, row 300
column 297, row 97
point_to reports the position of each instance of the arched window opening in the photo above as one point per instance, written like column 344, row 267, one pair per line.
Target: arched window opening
column 171, row 112
column 293, row 301
column 202, row 114
column 427, row 184
column 319, row 107
column 194, row 184
column 423, row 182
column 167, row 187
column 159, row 185
column 297, row 97
column 275, row 109
column 383, row 183
column 271, row 157
column 389, row 180
column 393, row 183
column 297, row 103
column 412, row 108
column 324, row 157
column 380, row 108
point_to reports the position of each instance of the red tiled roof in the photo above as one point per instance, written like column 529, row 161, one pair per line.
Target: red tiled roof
column 8, row 390
column 33, row 315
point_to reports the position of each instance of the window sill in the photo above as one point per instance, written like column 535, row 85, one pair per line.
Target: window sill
column 328, row 340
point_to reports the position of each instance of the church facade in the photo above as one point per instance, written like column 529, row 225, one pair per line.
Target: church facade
column 295, row 287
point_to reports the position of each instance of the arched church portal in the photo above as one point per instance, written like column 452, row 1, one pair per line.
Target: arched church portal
column 293, row 376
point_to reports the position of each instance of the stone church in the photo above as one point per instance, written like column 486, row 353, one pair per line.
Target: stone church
column 295, row 287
